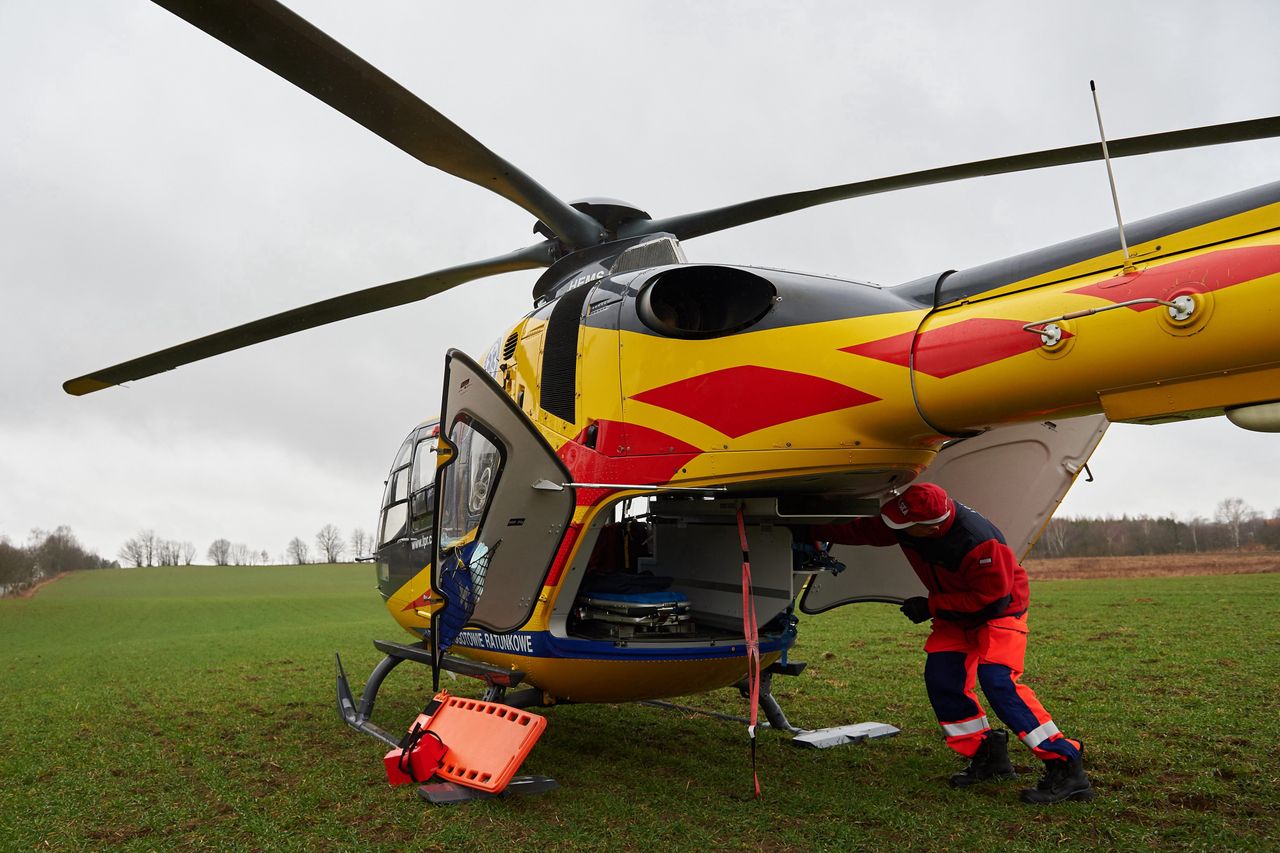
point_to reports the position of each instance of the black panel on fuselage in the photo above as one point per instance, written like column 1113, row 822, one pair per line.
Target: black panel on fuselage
column 803, row 299
column 974, row 281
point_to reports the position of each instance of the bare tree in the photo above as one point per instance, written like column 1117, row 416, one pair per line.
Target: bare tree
column 264, row 558
column 17, row 567
column 359, row 542
column 1195, row 524
column 297, row 551
column 329, row 544
column 187, row 553
column 58, row 552
column 1234, row 512
column 238, row 554
column 45, row 555
column 1055, row 536
column 1116, row 535
column 133, row 553
column 142, row 550
column 220, row 552
column 173, row 553
column 151, row 545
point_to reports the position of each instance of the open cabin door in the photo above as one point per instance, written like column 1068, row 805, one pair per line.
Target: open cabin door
column 496, row 535
column 1016, row 476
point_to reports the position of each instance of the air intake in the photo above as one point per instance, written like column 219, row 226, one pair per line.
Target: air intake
column 704, row 301
column 659, row 252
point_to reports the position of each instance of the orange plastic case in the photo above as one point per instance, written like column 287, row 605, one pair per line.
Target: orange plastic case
column 485, row 742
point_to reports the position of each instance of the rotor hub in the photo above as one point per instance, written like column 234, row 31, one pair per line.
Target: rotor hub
column 611, row 213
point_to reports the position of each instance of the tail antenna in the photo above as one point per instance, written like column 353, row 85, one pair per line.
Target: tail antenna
column 1115, row 197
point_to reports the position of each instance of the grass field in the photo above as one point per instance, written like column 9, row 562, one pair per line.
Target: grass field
column 193, row 707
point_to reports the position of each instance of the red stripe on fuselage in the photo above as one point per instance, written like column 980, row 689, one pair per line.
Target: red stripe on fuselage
column 1201, row 274
column 953, row 349
column 624, row 453
column 562, row 554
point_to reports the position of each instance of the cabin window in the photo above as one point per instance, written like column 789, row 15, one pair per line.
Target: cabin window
column 422, row 486
column 397, row 487
column 422, row 509
column 424, row 464
column 393, row 522
column 468, row 482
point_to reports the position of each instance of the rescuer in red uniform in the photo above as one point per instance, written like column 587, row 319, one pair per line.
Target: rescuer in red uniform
column 978, row 602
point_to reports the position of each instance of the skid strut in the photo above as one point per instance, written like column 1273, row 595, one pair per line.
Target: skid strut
column 497, row 681
column 359, row 716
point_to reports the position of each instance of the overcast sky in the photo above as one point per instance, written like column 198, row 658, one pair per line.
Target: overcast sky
column 157, row 186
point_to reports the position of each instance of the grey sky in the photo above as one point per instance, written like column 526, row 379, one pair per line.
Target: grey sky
column 157, row 186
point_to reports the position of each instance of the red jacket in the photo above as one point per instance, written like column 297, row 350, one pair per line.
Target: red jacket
column 971, row 574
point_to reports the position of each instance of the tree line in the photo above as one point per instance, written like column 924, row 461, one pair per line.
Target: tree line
column 46, row 555
column 148, row 549
column 1235, row 525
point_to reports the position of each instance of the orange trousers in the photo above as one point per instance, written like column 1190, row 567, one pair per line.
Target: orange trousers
column 991, row 656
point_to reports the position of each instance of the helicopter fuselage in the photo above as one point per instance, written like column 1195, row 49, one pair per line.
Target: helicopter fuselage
column 787, row 390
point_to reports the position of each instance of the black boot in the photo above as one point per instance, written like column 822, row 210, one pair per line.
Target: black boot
column 1064, row 779
column 991, row 761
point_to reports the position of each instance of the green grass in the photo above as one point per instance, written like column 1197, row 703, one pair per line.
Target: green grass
column 161, row 708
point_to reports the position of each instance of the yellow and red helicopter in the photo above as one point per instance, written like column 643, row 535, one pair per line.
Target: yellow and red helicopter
column 574, row 520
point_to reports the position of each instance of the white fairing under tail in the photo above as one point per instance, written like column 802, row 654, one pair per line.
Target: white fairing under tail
column 1016, row 476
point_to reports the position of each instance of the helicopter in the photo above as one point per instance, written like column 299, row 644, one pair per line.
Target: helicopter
column 648, row 411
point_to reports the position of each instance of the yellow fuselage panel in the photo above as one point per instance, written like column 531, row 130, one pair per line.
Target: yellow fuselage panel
column 410, row 604
column 1231, row 330
column 785, row 388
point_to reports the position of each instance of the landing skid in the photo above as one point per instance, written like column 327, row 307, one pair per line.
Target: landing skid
column 496, row 680
column 776, row 719
column 447, row 793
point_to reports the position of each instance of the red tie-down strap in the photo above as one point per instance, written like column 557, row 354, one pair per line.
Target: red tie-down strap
column 751, row 632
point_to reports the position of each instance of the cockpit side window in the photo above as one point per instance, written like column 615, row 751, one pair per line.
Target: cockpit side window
column 395, row 508
column 422, row 487
column 424, row 464
column 402, row 455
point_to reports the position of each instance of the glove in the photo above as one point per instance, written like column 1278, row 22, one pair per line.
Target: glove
column 916, row 609
column 807, row 556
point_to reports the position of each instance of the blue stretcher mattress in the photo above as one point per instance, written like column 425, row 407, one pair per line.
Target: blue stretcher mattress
column 666, row 596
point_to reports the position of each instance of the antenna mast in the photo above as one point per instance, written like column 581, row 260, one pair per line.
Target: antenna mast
column 1111, row 178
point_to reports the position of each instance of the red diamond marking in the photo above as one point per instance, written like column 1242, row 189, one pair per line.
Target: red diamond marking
column 741, row 400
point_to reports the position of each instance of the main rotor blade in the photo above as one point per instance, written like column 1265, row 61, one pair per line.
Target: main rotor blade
column 691, row 225
column 308, row 317
column 283, row 42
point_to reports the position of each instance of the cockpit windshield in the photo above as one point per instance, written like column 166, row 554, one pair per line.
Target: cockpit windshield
column 408, row 501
